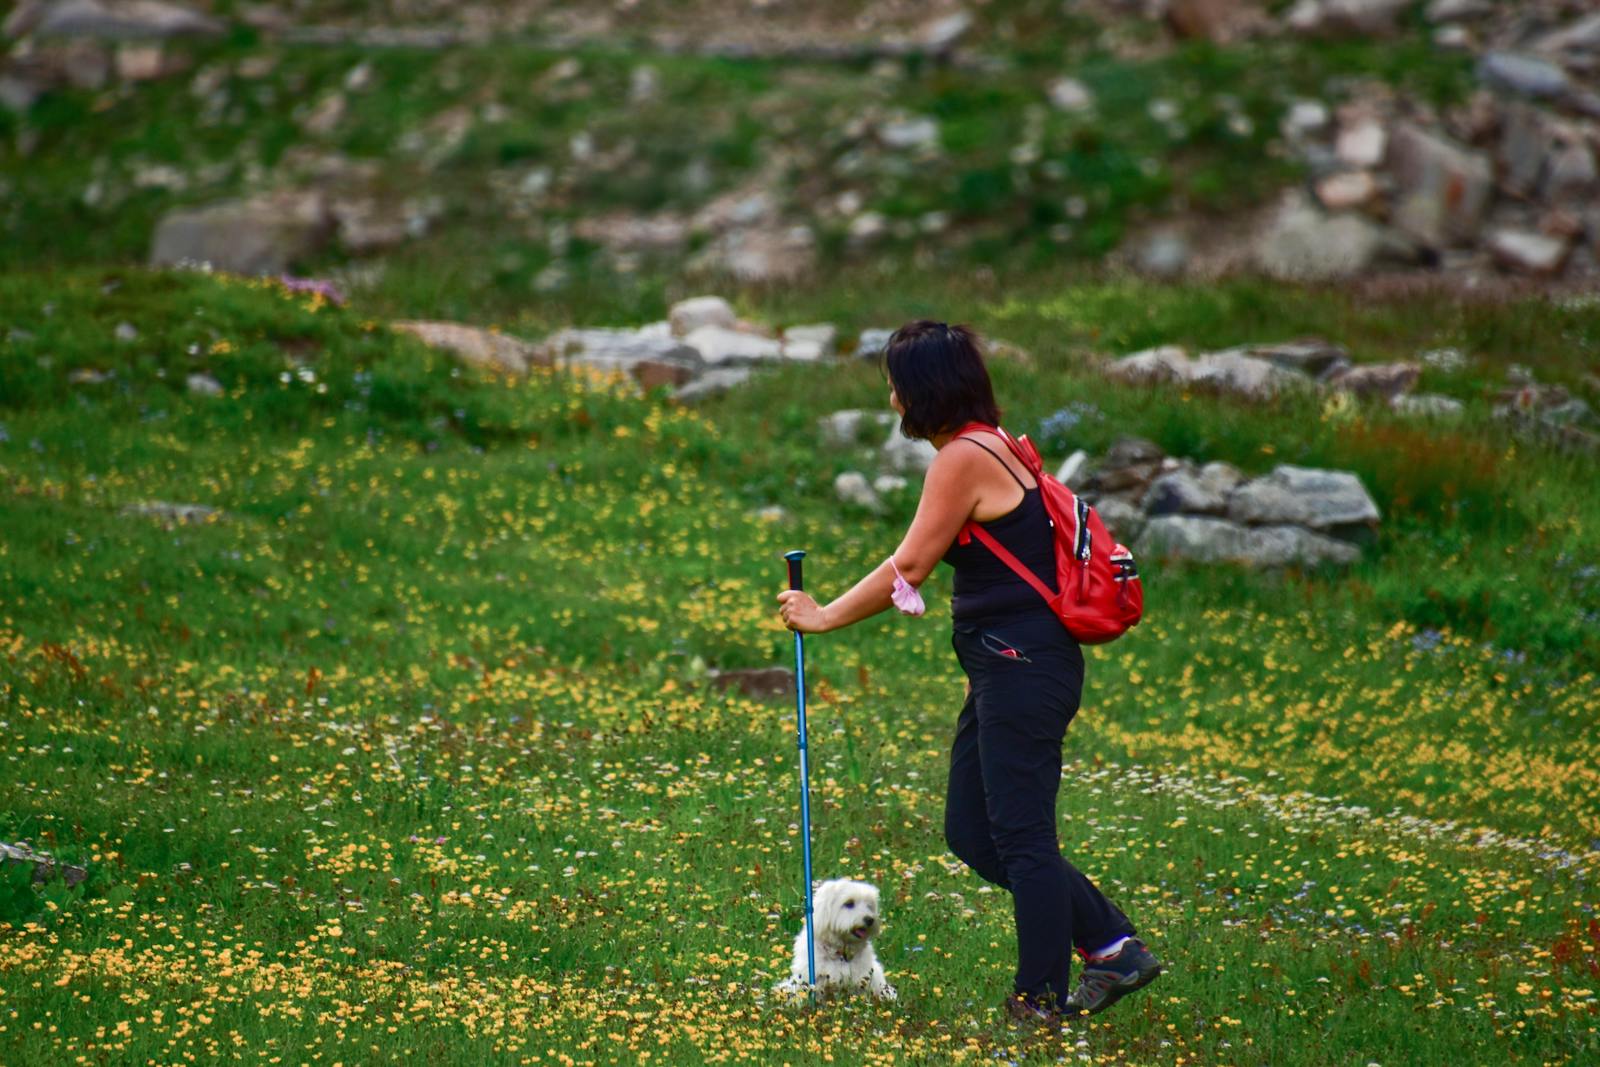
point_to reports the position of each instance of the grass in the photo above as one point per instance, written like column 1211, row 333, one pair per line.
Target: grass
column 409, row 754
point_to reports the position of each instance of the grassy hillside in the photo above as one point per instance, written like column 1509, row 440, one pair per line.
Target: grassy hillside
column 408, row 752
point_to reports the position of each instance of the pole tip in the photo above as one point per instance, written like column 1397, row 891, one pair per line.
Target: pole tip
column 798, row 553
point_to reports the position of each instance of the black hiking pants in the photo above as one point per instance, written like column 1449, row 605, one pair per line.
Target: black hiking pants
column 1005, row 767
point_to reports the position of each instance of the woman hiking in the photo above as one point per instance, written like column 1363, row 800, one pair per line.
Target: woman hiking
column 1024, row 674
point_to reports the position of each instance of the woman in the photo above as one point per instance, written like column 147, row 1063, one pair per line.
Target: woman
column 1024, row 675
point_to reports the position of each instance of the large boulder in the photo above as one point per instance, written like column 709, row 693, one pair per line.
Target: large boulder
column 689, row 315
column 1304, row 244
column 479, row 347
column 1311, row 356
column 720, row 346
column 265, row 235
column 1164, row 363
column 906, row 454
column 1303, row 496
column 1346, row 18
column 1235, row 372
column 1210, row 540
column 1382, row 380
column 617, row 349
column 1528, row 75
column 852, row 487
column 844, row 428
column 762, row 253
column 712, row 383
column 1182, row 492
column 120, row 20
column 1442, row 189
column 809, row 342
column 1529, row 251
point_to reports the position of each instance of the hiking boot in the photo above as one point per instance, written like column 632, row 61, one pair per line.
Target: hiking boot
column 1025, row 1009
column 1104, row 982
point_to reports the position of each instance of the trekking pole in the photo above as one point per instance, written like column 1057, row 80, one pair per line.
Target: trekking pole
column 794, row 559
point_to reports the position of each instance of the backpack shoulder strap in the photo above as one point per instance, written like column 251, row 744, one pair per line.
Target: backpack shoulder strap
column 997, row 459
column 1009, row 560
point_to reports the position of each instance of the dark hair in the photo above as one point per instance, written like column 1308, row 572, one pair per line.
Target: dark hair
column 937, row 371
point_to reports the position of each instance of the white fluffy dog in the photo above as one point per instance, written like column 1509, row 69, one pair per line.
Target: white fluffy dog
column 846, row 915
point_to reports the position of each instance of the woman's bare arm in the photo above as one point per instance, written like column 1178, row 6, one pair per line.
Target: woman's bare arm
column 949, row 493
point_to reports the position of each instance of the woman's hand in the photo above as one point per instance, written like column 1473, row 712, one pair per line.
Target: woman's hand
column 801, row 613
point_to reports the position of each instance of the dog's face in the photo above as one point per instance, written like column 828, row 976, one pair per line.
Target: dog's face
column 846, row 911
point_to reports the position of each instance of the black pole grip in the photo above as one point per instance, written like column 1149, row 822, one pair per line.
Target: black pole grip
column 794, row 559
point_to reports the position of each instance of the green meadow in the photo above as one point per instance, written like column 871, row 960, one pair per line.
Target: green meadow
column 409, row 751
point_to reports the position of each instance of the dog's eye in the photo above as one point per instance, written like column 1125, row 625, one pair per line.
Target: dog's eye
column 849, row 903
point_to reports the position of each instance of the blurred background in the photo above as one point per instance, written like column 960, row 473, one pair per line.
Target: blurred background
column 552, row 162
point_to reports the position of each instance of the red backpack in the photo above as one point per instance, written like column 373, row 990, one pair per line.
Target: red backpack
column 1099, row 593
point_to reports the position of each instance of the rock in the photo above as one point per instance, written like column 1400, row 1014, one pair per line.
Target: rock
column 478, row 347
column 844, row 428
column 1310, row 356
column 909, row 133
column 622, row 233
column 722, row 346
column 265, row 235
column 888, row 484
column 1427, row 406
column 809, row 343
column 203, row 385
column 872, row 342
column 1361, row 144
column 1165, row 363
column 1303, row 244
column 1129, row 451
column 997, row 349
column 1346, row 190
column 619, row 350
column 1220, row 478
column 867, row 226
column 906, row 454
column 126, row 331
column 1234, row 372
column 1217, row 21
column 1452, row 10
column 1163, row 255
column 127, row 20
column 1525, row 74
column 689, row 315
column 940, row 35
column 172, row 514
column 1305, row 119
column 713, row 382
column 1070, row 95
column 1445, row 360
column 762, row 254
column 147, row 62
column 1346, row 18
column 1129, row 465
column 1570, row 174
column 1525, row 140
column 1211, row 540
column 852, row 488
column 1303, row 496
column 325, row 116
column 45, row 867
column 1581, row 36
column 1073, row 469
column 1124, row 519
column 1181, row 492
column 761, row 683
column 1442, row 189
column 656, row 373
column 1529, row 251
column 1385, row 380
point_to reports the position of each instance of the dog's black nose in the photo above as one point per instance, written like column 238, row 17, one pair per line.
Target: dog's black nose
column 868, row 921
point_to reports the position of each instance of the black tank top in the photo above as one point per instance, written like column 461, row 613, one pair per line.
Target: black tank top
column 984, row 585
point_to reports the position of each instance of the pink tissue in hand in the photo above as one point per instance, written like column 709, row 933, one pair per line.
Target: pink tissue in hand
column 905, row 595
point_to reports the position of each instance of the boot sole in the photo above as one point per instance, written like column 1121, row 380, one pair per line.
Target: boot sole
column 1117, row 992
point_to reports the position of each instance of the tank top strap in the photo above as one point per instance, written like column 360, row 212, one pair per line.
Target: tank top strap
column 998, row 460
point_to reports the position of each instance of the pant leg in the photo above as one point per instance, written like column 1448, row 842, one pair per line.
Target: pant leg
column 966, row 816
column 1022, row 707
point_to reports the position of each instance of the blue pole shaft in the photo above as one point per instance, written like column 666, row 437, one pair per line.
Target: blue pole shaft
column 805, row 805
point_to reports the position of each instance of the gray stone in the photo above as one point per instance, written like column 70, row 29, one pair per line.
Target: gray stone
column 1525, row 141
column 1525, row 74
column 1181, row 492
column 1163, row 255
column 906, row 454
column 852, row 488
column 1385, row 380
column 1165, row 363
column 1212, row 540
column 1347, row 18
column 1129, row 451
column 1361, row 144
column 1346, row 190
column 809, row 343
column 45, row 867
column 478, row 347
column 172, row 514
column 127, row 20
column 1427, row 406
column 909, row 132
column 1073, row 469
column 618, row 350
column 1303, row 244
column 889, row 484
column 1124, row 519
column 713, row 382
column 266, row 235
column 203, row 385
column 1302, row 496
column 1581, row 36
column 1445, row 360
column 1311, row 356
column 1452, row 10
column 939, row 35
column 872, row 342
column 1570, row 174
column 1071, row 95
column 689, row 315
column 1441, row 188
column 1234, row 372
column 762, row 253
column 1529, row 251
column 843, row 428
column 721, row 346
column 1221, row 478
column 1305, row 118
